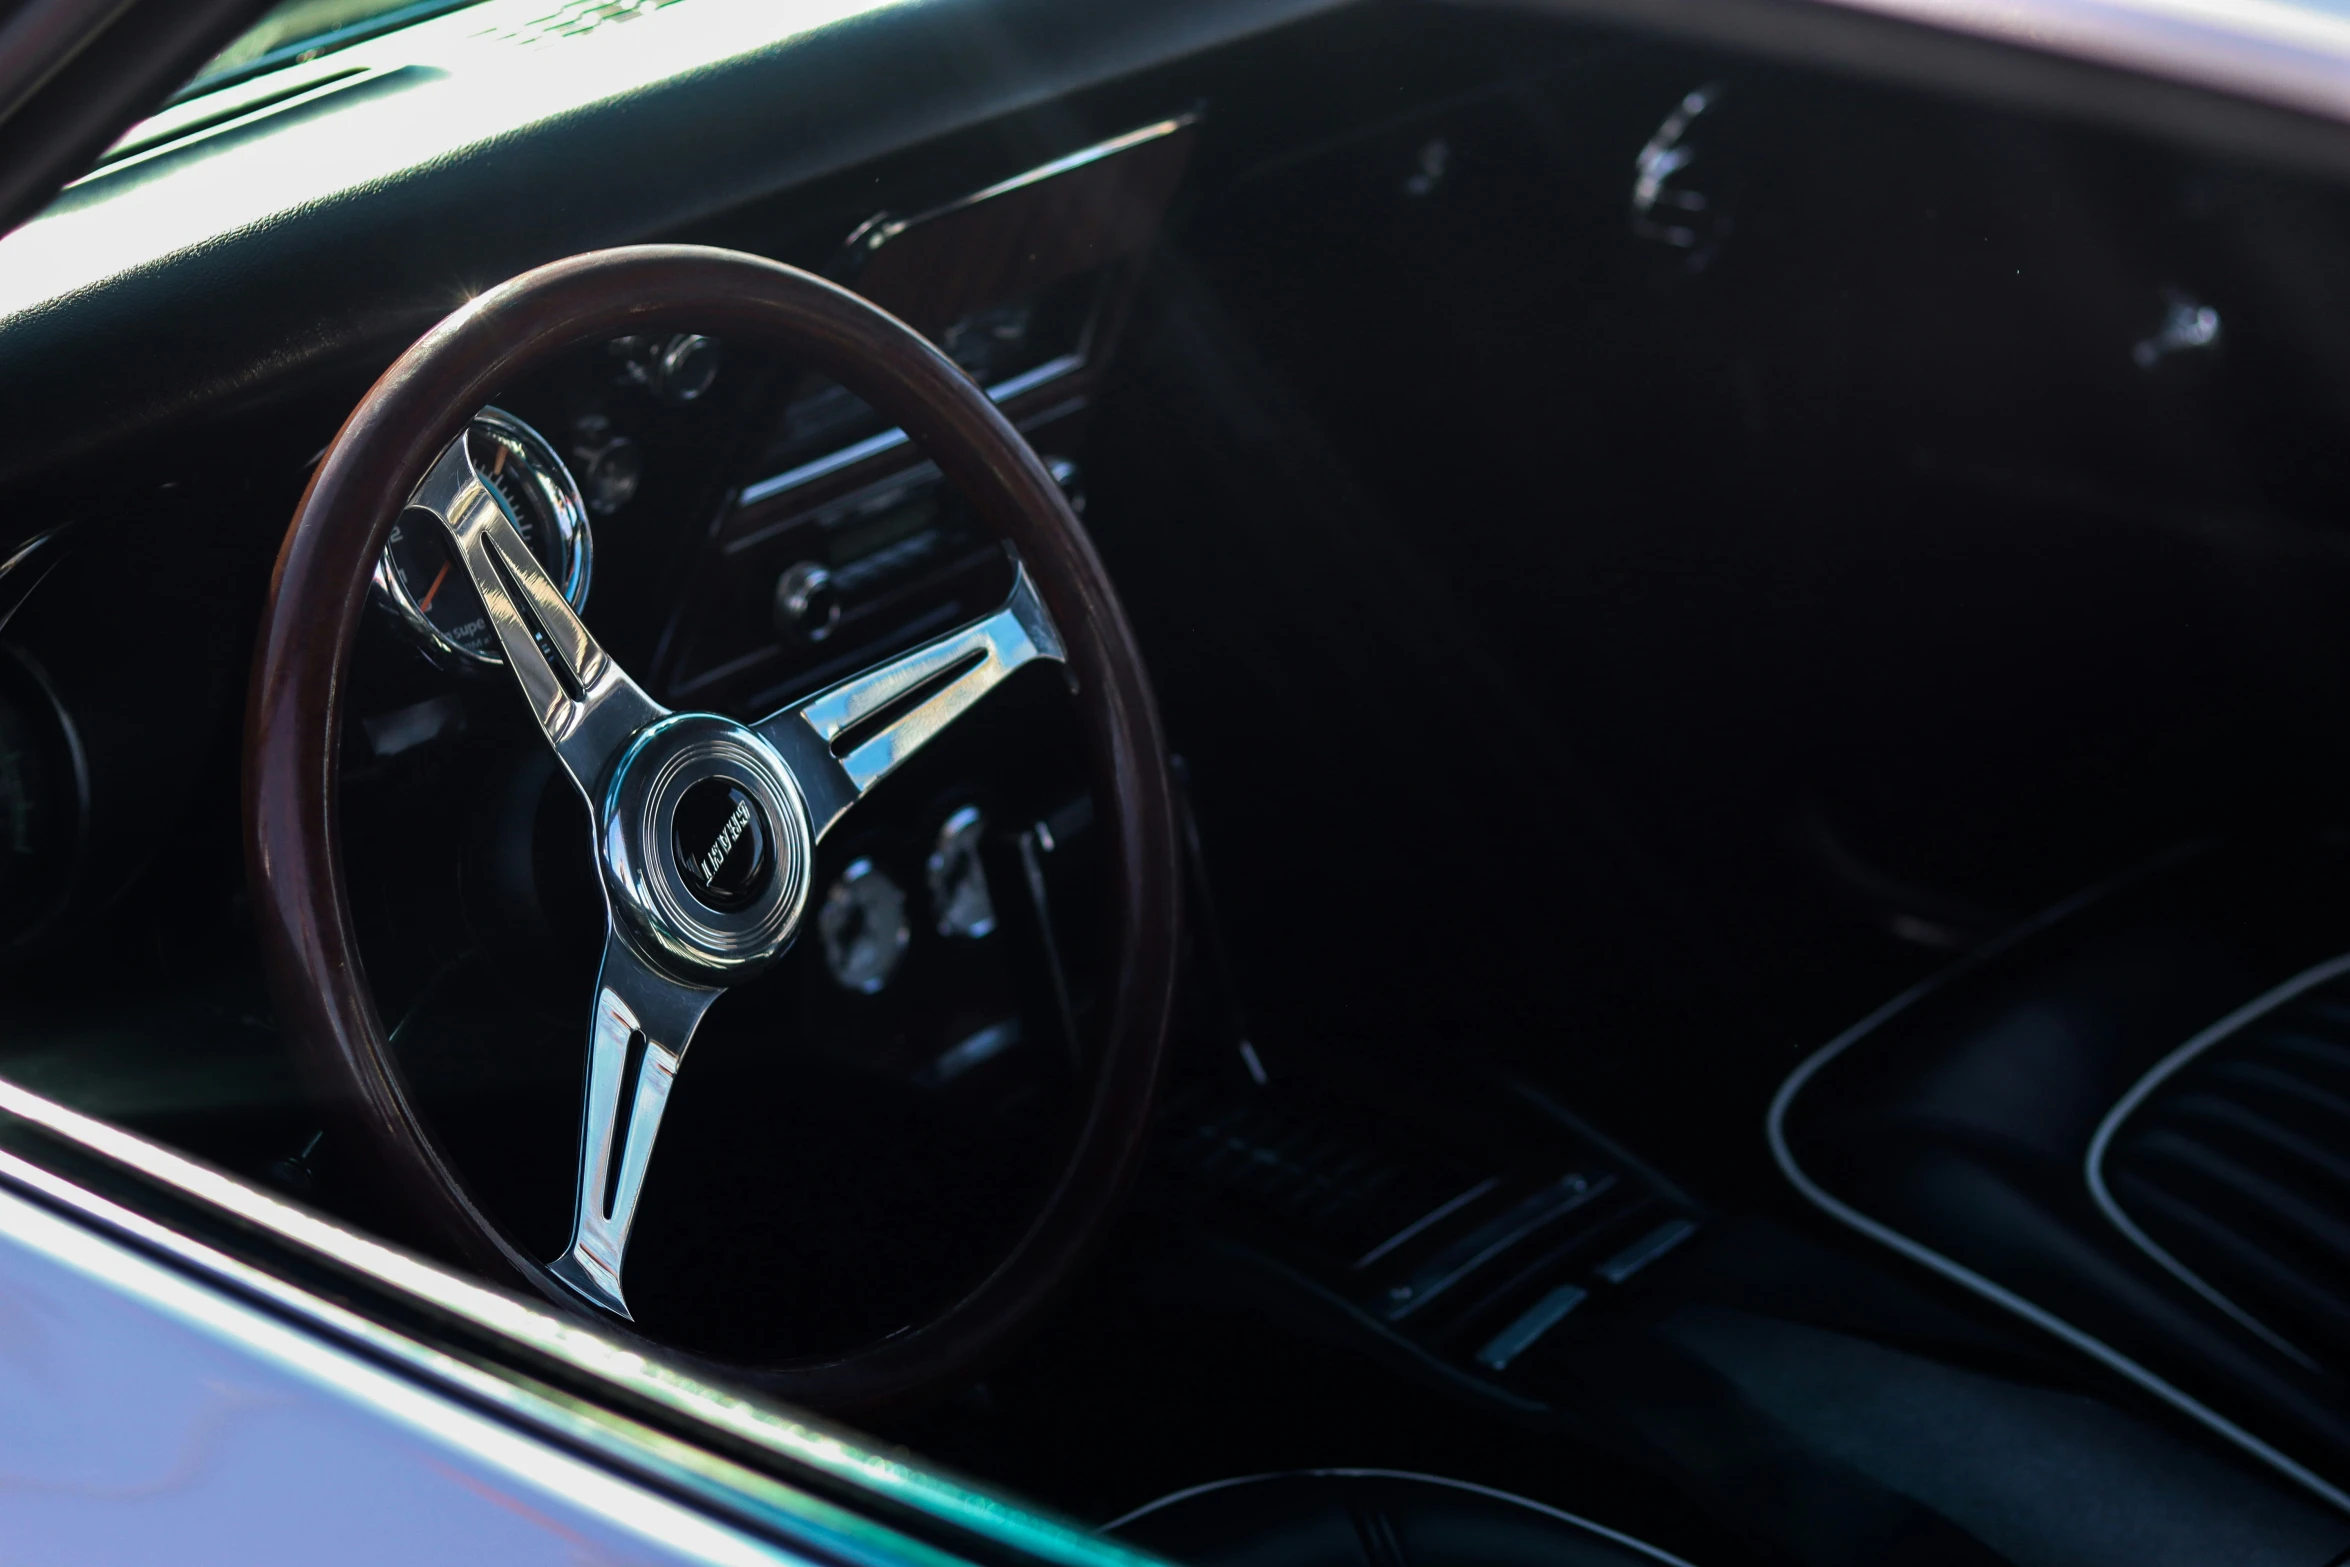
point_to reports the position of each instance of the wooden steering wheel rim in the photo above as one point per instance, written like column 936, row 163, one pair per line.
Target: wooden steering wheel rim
column 319, row 593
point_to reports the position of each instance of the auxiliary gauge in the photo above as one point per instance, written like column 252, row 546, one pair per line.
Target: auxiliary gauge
column 424, row 585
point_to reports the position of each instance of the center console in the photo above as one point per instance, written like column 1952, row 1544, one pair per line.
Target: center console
column 1468, row 1233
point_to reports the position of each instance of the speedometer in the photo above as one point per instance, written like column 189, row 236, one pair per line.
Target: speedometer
column 420, row 580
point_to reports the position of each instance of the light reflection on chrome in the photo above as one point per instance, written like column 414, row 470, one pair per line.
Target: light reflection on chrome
column 1667, row 208
column 2188, row 325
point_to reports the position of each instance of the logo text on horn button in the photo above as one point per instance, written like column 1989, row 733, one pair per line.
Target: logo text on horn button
column 720, row 837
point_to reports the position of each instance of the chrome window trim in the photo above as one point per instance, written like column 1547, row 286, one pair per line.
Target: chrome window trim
column 2093, row 1165
column 1655, row 1553
column 793, row 1513
column 1958, row 1273
column 454, row 1424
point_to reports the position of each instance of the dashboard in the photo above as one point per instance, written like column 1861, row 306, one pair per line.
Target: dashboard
column 1412, row 352
column 219, row 249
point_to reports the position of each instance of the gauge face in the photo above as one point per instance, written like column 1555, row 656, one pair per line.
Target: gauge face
column 863, row 923
column 426, row 587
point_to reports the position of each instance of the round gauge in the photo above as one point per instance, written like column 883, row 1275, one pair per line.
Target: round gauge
column 863, row 923
column 426, row 587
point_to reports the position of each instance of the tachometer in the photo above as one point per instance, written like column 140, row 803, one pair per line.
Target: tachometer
column 420, row 580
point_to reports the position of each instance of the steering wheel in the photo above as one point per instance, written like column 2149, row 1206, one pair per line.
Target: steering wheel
column 705, row 828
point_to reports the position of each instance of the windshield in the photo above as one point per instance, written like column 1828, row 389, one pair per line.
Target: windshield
column 297, row 30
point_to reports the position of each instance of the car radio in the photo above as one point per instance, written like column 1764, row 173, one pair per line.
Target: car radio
column 841, row 537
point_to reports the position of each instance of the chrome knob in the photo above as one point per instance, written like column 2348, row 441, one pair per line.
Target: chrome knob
column 682, row 368
column 807, row 605
column 609, row 474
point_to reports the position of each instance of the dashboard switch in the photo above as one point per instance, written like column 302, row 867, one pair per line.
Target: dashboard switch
column 683, row 368
column 676, row 369
column 807, row 603
column 610, row 473
column 862, row 923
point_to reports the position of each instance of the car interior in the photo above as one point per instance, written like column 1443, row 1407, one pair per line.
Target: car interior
column 1671, row 886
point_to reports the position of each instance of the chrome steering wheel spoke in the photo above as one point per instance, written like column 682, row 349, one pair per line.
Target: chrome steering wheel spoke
column 644, row 1021
column 846, row 738
column 591, row 713
column 706, row 829
column 584, row 702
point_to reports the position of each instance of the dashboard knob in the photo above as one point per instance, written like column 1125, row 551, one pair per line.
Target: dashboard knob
column 683, row 367
column 862, row 923
column 807, row 605
column 610, row 474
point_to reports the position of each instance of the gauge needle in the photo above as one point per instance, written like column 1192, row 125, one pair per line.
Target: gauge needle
column 424, row 604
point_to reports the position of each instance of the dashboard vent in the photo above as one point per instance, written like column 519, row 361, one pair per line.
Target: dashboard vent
column 2234, row 1172
column 571, row 19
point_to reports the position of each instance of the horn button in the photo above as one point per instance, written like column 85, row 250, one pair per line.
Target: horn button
column 720, row 837
column 707, row 847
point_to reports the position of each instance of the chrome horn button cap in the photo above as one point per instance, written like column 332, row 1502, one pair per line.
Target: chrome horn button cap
column 706, row 847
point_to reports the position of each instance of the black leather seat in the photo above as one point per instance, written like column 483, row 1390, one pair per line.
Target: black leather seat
column 2045, row 1125
column 1372, row 1518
